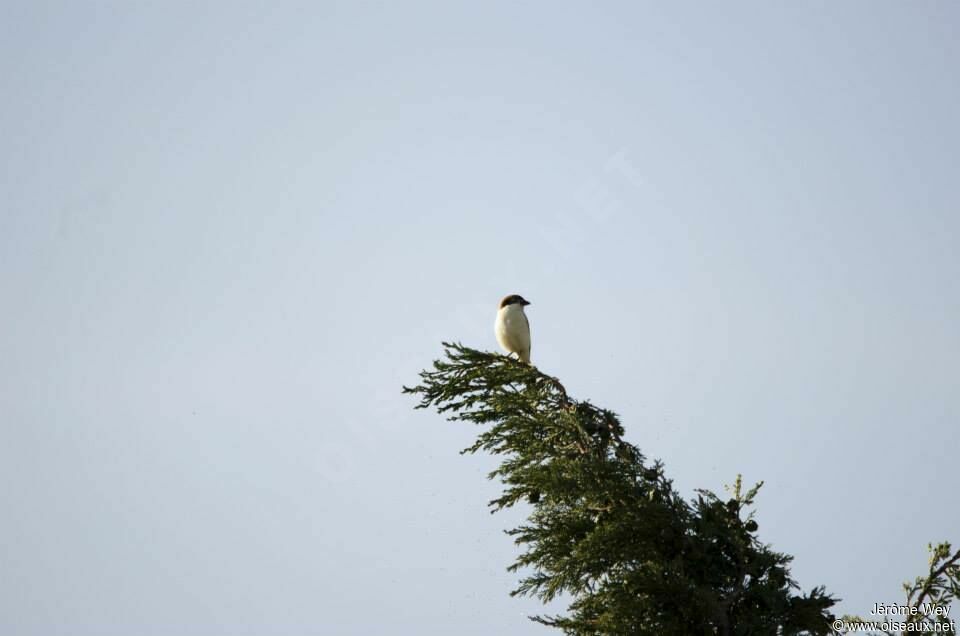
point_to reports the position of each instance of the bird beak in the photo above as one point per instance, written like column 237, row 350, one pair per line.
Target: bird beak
column 526, row 302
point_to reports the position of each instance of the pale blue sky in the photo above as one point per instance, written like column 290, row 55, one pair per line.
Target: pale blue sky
column 230, row 233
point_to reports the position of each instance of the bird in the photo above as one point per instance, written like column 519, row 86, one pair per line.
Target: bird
column 512, row 327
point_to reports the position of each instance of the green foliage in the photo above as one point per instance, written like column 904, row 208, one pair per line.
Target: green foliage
column 606, row 526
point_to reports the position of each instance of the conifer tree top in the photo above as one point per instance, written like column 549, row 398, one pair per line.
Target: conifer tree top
column 606, row 526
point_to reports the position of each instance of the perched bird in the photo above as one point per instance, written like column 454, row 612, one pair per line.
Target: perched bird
column 512, row 328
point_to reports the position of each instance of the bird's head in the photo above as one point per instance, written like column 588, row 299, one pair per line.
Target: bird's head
column 514, row 299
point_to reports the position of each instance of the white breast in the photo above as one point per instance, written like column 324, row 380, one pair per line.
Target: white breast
column 513, row 331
